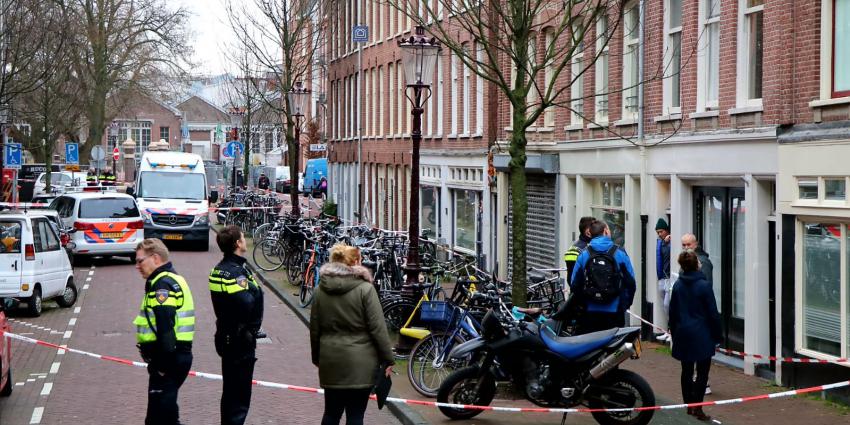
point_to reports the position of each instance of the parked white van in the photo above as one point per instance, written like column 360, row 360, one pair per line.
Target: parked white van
column 33, row 265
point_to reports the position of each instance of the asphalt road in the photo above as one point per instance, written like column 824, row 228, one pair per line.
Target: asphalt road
column 66, row 388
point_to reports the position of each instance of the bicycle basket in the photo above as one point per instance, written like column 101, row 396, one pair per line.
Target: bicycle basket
column 437, row 313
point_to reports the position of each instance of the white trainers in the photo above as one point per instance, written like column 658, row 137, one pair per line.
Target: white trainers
column 707, row 389
column 663, row 337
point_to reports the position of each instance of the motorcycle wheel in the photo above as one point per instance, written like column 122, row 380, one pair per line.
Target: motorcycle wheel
column 460, row 388
column 639, row 395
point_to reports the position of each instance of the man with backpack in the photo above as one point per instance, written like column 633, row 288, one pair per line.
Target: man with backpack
column 604, row 281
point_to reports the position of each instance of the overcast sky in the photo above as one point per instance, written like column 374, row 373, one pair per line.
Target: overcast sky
column 210, row 32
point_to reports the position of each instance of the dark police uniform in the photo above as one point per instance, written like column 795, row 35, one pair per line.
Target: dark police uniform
column 165, row 328
column 238, row 303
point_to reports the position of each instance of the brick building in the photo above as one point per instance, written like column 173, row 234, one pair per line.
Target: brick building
column 144, row 120
column 366, row 101
column 206, row 124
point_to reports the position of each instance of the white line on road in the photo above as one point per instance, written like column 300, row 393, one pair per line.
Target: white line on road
column 77, row 310
column 54, row 368
column 92, row 267
column 88, row 279
column 31, row 380
column 36, row 415
column 86, row 286
column 91, row 272
column 18, row 384
column 67, row 335
column 48, row 386
column 72, row 322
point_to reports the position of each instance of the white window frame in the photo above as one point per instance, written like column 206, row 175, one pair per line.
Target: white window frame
column 391, row 96
column 479, row 198
column 382, row 22
column 798, row 288
column 479, row 91
column 454, row 101
column 548, row 76
column 402, row 101
column 744, row 37
column 367, row 110
column 826, row 50
column 669, row 49
column 601, row 73
column 703, row 61
column 380, row 100
column 576, row 88
column 440, row 96
column 467, row 95
column 630, row 76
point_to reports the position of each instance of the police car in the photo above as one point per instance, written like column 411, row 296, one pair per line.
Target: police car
column 103, row 222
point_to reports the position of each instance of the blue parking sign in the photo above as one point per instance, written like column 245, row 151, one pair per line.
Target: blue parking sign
column 72, row 153
column 14, row 155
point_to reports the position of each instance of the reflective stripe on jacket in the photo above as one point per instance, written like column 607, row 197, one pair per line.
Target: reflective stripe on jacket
column 184, row 326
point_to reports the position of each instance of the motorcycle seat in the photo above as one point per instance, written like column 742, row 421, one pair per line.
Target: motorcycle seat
column 572, row 347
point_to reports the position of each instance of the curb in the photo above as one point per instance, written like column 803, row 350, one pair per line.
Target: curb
column 404, row 413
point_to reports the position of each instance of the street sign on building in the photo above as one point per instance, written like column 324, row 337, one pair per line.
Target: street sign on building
column 234, row 148
column 360, row 34
column 319, row 147
column 72, row 153
column 98, row 153
column 14, row 155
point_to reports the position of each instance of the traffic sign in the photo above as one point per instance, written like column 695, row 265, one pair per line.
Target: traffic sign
column 319, row 147
column 233, row 148
column 116, row 154
column 360, row 34
column 72, row 153
column 14, row 155
column 98, row 153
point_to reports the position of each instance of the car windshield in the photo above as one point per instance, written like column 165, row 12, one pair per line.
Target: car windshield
column 159, row 184
column 10, row 237
column 108, row 208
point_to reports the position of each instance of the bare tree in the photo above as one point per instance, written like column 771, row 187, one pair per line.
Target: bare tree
column 282, row 36
column 135, row 45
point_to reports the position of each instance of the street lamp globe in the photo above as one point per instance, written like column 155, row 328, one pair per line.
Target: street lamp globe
column 419, row 56
column 298, row 96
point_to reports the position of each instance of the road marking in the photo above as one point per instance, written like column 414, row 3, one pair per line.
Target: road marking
column 18, row 384
column 54, row 368
column 77, row 310
column 72, row 322
column 91, row 272
column 88, row 279
column 31, row 380
column 67, row 335
column 37, row 413
column 92, row 267
column 86, row 286
column 48, row 386
column 61, row 351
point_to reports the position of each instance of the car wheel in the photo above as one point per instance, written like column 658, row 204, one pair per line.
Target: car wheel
column 132, row 258
column 6, row 391
column 69, row 297
column 34, row 303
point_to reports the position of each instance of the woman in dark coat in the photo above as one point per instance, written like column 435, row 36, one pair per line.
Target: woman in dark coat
column 695, row 326
column 348, row 336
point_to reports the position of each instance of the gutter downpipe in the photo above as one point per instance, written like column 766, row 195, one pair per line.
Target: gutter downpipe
column 646, row 307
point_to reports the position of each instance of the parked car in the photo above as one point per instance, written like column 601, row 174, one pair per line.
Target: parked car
column 33, row 265
column 58, row 181
column 316, row 176
column 104, row 223
column 43, row 200
column 63, row 232
column 5, row 350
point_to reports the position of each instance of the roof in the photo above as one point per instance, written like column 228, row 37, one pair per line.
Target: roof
column 196, row 109
column 98, row 194
column 171, row 157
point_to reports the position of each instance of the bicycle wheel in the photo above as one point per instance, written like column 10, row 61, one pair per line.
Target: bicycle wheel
column 261, row 231
column 293, row 268
column 267, row 255
column 397, row 313
column 429, row 365
column 308, row 287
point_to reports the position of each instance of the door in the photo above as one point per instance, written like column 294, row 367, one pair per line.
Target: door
column 719, row 226
column 771, row 276
column 49, row 265
column 11, row 255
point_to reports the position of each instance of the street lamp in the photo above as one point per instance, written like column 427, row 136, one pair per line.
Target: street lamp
column 235, row 121
column 419, row 57
column 298, row 96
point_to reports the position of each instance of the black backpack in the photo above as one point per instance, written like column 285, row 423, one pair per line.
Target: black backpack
column 602, row 279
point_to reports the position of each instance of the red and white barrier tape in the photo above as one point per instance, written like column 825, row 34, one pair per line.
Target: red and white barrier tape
column 754, row 356
column 24, row 204
column 268, row 384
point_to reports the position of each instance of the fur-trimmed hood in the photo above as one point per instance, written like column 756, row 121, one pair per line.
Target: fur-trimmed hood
column 339, row 278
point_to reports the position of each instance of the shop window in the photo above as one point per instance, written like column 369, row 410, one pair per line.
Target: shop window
column 430, row 211
column 465, row 218
column 821, row 287
column 608, row 206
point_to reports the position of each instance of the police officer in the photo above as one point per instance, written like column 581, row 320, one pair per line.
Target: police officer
column 91, row 178
column 238, row 303
column 165, row 328
column 571, row 256
column 108, row 178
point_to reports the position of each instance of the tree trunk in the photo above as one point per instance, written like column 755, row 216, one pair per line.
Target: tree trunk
column 96, row 120
column 519, row 203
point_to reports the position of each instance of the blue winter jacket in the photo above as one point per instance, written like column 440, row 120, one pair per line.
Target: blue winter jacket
column 662, row 259
column 627, row 295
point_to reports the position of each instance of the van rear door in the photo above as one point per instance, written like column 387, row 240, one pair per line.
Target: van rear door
column 11, row 255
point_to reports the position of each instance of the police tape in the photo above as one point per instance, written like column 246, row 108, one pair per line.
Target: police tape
column 755, row 356
column 24, row 204
column 298, row 388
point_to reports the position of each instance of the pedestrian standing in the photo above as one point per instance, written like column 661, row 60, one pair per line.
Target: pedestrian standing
column 694, row 323
column 238, row 304
column 604, row 281
column 348, row 336
column 689, row 241
column 263, row 182
column 165, row 328
column 579, row 245
column 662, row 267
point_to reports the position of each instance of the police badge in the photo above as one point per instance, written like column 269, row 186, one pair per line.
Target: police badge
column 161, row 295
column 242, row 281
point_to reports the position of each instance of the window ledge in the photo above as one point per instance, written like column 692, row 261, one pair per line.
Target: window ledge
column 820, row 103
column 478, row 134
column 626, row 122
column 576, row 127
column 452, row 136
column 746, row 110
column 834, row 205
column 669, row 117
column 545, row 129
column 509, row 128
column 594, row 125
column 704, row 114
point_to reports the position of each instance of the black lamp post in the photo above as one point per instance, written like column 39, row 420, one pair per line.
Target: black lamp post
column 298, row 96
column 419, row 57
column 235, row 120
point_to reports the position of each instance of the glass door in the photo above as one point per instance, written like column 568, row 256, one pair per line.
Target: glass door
column 719, row 226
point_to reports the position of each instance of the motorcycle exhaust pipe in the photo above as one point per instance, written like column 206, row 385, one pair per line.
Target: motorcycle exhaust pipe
column 613, row 359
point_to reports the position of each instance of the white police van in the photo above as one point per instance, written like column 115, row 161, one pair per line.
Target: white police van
column 172, row 194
